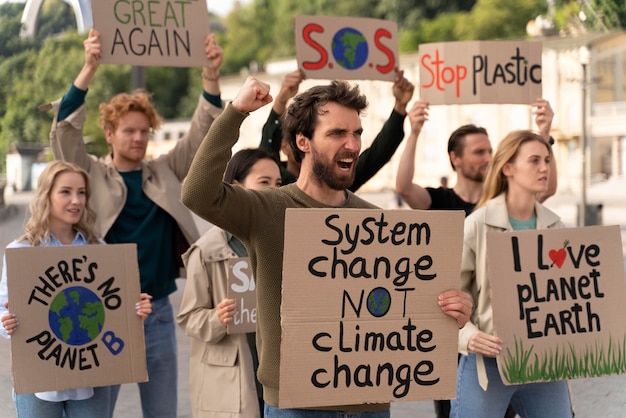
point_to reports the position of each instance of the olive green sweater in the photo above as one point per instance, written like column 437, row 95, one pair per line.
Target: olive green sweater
column 257, row 217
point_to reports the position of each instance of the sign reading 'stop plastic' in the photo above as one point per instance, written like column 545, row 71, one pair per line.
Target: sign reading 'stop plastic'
column 498, row 72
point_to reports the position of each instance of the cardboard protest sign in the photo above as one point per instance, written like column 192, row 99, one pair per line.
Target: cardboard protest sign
column 346, row 48
column 242, row 288
column 152, row 32
column 78, row 325
column 558, row 303
column 480, row 72
column 360, row 319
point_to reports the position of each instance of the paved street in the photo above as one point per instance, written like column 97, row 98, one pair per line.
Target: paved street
column 598, row 397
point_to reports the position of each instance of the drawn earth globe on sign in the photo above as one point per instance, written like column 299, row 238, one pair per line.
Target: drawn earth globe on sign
column 76, row 315
column 350, row 48
column 378, row 302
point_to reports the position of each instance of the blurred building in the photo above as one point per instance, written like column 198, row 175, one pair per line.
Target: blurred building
column 589, row 68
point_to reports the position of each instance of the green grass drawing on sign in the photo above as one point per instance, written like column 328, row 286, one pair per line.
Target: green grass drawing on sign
column 522, row 365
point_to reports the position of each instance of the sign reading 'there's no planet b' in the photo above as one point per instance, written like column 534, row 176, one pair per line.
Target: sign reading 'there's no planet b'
column 77, row 322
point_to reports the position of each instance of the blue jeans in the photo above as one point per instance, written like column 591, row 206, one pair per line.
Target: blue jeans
column 98, row 406
column 530, row 400
column 274, row 412
column 159, row 395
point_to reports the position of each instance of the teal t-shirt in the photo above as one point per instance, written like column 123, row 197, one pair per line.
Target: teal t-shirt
column 518, row 225
column 153, row 230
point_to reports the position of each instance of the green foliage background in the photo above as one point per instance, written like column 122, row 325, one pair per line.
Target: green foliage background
column 38, row 70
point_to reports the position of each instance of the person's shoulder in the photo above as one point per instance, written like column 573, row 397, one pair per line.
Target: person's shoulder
column 19, row 243
column 547, row 217
column 213, row 244
column 477, row 213
column 440, row 192
column 355, row 201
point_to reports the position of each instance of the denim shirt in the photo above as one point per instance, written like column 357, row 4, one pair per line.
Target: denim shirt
column 53, row 396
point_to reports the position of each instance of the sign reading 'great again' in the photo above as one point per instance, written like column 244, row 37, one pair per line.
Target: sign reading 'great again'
column 152, row 32
column 78, row 326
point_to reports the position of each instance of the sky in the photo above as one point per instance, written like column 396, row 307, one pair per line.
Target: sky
column 222, row 7
column 219, row 7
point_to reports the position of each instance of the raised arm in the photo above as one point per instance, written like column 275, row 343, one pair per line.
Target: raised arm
column 272, row 134
column 414, row 195
column 208, row 108
column 93, row 53
column 203, row 190
column 543, row 118
column 211, row 72
column 66, row 139
column 388, row 139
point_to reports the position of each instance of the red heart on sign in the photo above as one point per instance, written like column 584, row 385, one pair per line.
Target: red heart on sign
column 557, row 257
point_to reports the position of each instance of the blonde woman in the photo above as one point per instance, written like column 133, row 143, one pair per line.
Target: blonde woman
column 61, row 215
column 518, row 173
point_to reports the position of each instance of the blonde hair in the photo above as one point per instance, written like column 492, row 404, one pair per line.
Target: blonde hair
column 37, row 228
column 495, row 180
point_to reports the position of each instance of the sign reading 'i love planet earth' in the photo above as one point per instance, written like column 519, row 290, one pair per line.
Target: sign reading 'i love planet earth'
column 558, row 302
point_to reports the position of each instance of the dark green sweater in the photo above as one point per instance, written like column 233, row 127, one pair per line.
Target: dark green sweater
column 258, row 218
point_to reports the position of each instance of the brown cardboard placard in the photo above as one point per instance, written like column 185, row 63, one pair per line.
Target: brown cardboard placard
column 379, row 328
column 480, row 72
column 347, row 48
column 242, row 288
column 152, row 32
column 558, row 302
column 78, row 325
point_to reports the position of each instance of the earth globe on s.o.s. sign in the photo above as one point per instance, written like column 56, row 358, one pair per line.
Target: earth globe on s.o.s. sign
column 350, row 48
column 76, row 315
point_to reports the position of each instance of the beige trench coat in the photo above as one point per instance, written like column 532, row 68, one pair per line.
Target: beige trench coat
column 492, row 217
column 221, row 373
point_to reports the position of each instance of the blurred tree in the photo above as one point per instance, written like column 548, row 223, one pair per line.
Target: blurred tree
column 55, row 17
column 40, row 69
column 499, row 19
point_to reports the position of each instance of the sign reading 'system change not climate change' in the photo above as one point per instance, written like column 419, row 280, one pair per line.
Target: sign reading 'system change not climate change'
column 152, row 32
column 78, row 326
column 480, row 72
column 558, row 303
column 359, row 313
column 346, row 48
